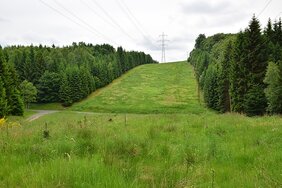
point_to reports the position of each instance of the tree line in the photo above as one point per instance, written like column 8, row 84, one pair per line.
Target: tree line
column 59, row 74
column 241, row 72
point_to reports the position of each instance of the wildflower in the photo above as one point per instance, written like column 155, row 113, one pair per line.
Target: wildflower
column 14, row 124
column 2, row 122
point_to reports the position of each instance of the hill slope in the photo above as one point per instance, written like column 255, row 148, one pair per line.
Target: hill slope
column 154, row 88
column 74, row 149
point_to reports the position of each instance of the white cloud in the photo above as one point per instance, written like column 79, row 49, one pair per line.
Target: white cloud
column 30, row 21
column 205, row 7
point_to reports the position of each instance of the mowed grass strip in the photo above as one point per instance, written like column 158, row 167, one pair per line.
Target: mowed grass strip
column 154, row 88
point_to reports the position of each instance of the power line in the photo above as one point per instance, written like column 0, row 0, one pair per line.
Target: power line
column 264, row 8
column 138, row 23
column 130, row 18
column 54, row 9
column 69, row 18
column 97, row 14
column 134, row 17
column 81, row 20
column 112, row 19
column 163, row 45
column 133, row 20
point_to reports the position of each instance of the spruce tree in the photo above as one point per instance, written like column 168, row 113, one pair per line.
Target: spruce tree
column 13, row 101
column 211, row 87
column 277, row 33
column 29, row 92
column 255, row 100
column 238, row 74
column 273, row 92
column 85, row 79
column 3, row 100
column 110, row 72
column 28, row 68
column 65, row 92
column 121, row 59
column 75, row 83
column 16, row 104
column 269, row 30
column 199, row 41
column 224, row 79
column 277, row 41
column 48, row 87
column 254, row 103
column 269, row 34
column 38, row 67
column 257, row 56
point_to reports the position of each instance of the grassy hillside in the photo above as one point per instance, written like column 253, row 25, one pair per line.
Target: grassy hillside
column 155, row 88
column 194, row 149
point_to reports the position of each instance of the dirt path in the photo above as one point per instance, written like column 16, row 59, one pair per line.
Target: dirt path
column 40, row 113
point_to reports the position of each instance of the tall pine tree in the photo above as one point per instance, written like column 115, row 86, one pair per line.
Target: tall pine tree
column 3, row 100
column 255, row 100
column 273, row 91
column 224, row 80
column 238, row 74
column 10, row 89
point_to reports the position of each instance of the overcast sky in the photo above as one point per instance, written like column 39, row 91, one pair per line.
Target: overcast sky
column 133, row 24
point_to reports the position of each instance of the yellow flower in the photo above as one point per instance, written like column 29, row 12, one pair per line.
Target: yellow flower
column 2, row 122
column 14, row 124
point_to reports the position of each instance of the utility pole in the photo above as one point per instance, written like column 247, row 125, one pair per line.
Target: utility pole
column 163, row 45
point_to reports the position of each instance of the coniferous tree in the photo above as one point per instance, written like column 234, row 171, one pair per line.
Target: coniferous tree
column 121, row 59
column 276, row 39
column 269, row 30
column 27, row 68
column 29, row 92
column 255, row 103
column 269, row 34
column 210, row 87
column 199, row 41
column 3, row 100
column 48, row 87
column 238, row 74
column 75, row 83
column 10, row 83
column 65, row 92
column 110, row 72
column 257, row 56
column 273, row 91
column 20, row 65
column 16, row 104
column 224, row 80
column 86, row 88
column 39, row 66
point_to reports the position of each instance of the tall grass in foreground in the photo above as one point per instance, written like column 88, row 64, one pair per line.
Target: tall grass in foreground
column 100, row 150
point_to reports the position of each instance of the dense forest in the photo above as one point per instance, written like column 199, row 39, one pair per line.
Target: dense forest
column 241, row 72
column 59, row 74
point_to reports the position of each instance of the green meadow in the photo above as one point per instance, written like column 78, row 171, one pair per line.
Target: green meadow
column 155, row 88
column 146, row 129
